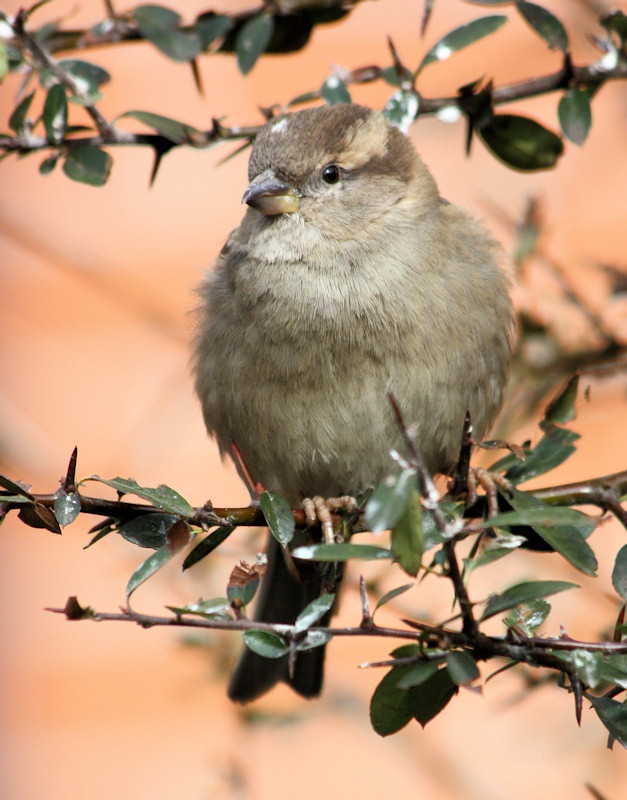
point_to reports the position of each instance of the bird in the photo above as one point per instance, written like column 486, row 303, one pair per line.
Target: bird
column 348, row 279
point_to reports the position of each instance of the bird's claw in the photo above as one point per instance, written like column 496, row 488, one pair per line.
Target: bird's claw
column 489, row 482
column 319, row 509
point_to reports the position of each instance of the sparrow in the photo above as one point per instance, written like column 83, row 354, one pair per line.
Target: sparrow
column 349, row 278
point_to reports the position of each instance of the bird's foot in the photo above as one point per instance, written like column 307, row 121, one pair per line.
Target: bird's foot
column 489, row 482
column 319, row 509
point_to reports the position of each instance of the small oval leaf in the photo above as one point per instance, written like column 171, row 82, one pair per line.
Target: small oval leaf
column 148, row 568
column 314, row 612
column 462, row 37
column 252, row 40
column 342, row 552
column 575, row 114
column 279, row 517
column 89, row 165
column 523, row 593
column 266, row 644
column 521, row 142
column 66, row 508
column 619, row 573
column 334, row 91
column 55, row 113
column 545, row 24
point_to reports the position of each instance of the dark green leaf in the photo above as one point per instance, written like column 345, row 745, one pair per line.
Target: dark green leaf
column 391, row 595
column 407, row 539
column 568, row 540
column 541, row 514
column 314, row 612
column 148, row 568
column 419, row 673
column 17, row 120
column 207, row 545
column 342, row 552
column 89, row 165
column 619, row 573
column 589, row 666
column 314, row 639
column 162, row 27
column 431, row 533
column 613, row 715
column 55, row 113
column 401, row 109
column 390, row 75
column 241, row 594
column 334, row 91
column 575, row 114
column 37, row 516
column 615, row 21
column 390, row 706
column 614, row 670
column 162, row 497
column 48, row 164
column 462, row 37
column 521, row 142
column 66, row 508
column 553, row 449
column 545, row 24
column 562, row 408
column 102, row 532
column 87, row 76
column 212, row 27
column 14, row 488
column 265, row 644
column 529, row 616
column 279, row 517
column 523, row 593
column 431, row 696
column 462, row 667
column 149, row 530
column 388, row 501
column 178, row 132
column 252, row 40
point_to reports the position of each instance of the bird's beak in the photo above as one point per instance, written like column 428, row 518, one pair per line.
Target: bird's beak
column 270, row 195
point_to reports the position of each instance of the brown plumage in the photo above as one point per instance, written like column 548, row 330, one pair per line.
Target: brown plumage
column 349, row 277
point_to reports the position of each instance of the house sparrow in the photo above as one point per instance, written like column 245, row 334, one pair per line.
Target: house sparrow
column 348, row 278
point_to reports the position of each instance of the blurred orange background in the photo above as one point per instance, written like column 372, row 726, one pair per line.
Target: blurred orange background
column 96, row 287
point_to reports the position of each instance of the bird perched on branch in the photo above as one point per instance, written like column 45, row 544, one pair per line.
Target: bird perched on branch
column 348, row 278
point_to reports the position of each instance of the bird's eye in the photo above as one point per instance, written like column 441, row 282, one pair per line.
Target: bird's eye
column 331, row 173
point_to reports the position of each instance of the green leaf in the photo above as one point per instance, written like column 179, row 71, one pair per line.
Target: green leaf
column 619, row 573
column 342, row 552
column 207, row 545
column 148, row 568
column 615, row 21
column 462, row 667
column 401, row 109
column 431, row 696
column 529, row 616
column 67, row 507
column 89, row 165
column 431, row 533
column 419, row 673
column 390, row 75
column 279, row 517
column 149, row 530
column 545, row 24
column 575, row 114
column 614, row 670
column 523, row 593
column 17, row 120
column 541, row 514
column 334, row 91
column 589, row 666
column 252, row 40
column 14, row 488
column 55, row 113
column 613, row 715
column 390, row 706
column 172, row 129
column 407, row 539
column 162, row 27
column 48, row 164
column 553, row 449
column 315, row 611
column 212, row 27
column 462, row 37
column 388, row 501
column 521, row 142
column 88, row 77
column 314, row 639
column 566, row 539
column 162, row 497
column 562, row 408
column 391, row 595
column 266, row 644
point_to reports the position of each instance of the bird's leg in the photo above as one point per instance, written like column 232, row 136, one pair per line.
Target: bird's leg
column 254, row 488
column 319, row 509
column 489, row 481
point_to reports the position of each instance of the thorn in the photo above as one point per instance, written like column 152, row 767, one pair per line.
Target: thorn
column 69, row 482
